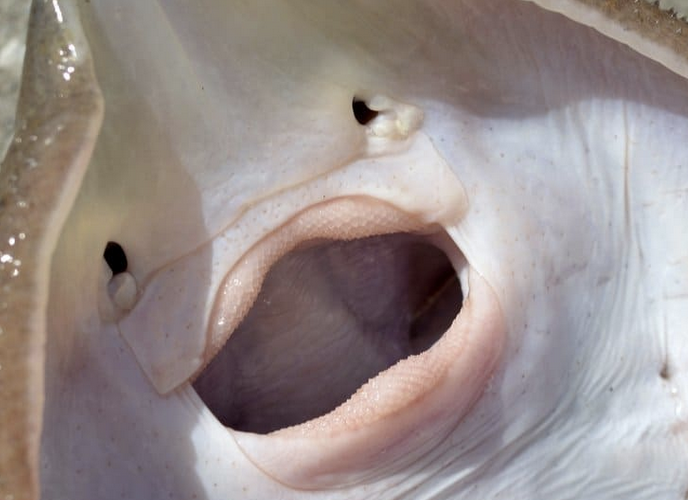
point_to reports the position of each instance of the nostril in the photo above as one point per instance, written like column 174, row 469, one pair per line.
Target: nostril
column 122, row 288
column 362, row 112
column 386, row 121
column 115, row 257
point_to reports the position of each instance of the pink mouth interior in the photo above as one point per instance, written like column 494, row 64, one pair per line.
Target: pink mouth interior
column 330, row 316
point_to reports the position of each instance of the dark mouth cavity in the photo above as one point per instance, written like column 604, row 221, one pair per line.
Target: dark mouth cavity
column 330, row 315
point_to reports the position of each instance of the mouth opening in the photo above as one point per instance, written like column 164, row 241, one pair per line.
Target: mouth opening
column 331, row 315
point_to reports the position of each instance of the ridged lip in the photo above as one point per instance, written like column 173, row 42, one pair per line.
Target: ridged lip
column 401, row 413
column 344, row 218
column 398, row 416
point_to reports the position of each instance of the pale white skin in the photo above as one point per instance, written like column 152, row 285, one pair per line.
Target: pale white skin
column 555, row 158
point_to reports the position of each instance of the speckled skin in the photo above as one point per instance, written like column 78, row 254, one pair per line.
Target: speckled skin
column 66, row 116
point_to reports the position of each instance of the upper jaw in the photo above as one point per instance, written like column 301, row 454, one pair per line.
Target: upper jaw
column 174, row 332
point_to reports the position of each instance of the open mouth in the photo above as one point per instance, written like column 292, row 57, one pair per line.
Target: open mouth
column 355, row 324
column 330, row 316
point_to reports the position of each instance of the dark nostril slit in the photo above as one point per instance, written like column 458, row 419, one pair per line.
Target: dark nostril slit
column 362, row 112
column 115, row 257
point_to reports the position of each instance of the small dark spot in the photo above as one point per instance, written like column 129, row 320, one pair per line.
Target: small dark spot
column 362, row 112
column 665, row 372
column 115, row 257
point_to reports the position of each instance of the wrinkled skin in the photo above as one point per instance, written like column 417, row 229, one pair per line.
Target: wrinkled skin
column 552, row 156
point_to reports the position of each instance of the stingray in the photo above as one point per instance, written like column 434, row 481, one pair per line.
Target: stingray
column 423, row 250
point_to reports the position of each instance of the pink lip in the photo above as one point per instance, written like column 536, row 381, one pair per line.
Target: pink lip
column 341, row 219
column 397, row 416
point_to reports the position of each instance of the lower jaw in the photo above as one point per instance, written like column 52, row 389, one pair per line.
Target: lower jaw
column 403, row 412
column 397, row 417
